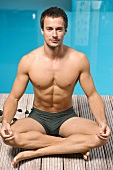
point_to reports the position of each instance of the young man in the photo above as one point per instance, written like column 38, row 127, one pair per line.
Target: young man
column 54, row 70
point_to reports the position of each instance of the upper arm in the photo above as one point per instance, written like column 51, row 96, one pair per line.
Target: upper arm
column 21, row 80
column 85, row 78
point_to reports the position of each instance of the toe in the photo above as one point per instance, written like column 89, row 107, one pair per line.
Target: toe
column 14, row 162
column 88, row 153
column 85, row 157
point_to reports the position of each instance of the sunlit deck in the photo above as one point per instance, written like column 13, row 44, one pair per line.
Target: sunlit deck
column 100, row 159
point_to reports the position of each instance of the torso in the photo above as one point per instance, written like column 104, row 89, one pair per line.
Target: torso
column 54, row 80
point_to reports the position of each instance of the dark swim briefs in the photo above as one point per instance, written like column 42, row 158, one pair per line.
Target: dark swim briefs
column 52, row 121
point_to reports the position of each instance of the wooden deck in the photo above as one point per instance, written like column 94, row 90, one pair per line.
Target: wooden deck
column 100, row 159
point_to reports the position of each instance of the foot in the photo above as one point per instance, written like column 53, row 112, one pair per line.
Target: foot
column 23, row 156
column 86, row 155
column 32, row 153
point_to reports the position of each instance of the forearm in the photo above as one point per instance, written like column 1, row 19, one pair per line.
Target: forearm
column 9, row 109
column 97, row 108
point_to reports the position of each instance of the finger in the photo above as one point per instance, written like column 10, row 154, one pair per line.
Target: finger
column 102, row 130
column 106, row 133
column 10, row 138
column 5, row 134
column 102, row 137
column 8, row 132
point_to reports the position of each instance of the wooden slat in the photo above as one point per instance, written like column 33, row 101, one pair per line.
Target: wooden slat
column 30, row 102
column 30, row 164
column 75, row 104
column 96, row 160
column 2, row 100
column 97, row 157
column 7, row 152
column 108, row 149
column 6, row 156
column 23, row 106
column 84, row 109
column 100, row 158
column 50, row 163
column 74, row 162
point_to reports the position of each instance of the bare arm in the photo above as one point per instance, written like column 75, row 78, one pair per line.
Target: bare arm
column 11, row 103
column 95, row 101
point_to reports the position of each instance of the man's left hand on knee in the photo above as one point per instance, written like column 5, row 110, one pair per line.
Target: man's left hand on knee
column 104, row 131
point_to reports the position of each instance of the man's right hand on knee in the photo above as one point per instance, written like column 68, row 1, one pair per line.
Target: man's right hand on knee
column 6, row 132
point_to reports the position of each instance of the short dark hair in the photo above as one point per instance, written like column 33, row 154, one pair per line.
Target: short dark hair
column 54, row 12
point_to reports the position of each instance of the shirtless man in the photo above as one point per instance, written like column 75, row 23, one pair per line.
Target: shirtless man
column 54, row 70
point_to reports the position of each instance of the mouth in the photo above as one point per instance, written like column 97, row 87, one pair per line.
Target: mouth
column 54, row 41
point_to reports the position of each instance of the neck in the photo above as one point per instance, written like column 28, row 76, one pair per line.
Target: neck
column 53, row 52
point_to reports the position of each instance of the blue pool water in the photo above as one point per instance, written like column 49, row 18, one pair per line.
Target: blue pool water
column 90, row 31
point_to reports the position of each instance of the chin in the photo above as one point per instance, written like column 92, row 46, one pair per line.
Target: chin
column 53, row 45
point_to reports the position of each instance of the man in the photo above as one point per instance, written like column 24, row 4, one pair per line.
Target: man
column 54, row 70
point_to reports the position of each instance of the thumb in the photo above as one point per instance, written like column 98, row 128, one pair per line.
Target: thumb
column 8, row 129
column 102, row 129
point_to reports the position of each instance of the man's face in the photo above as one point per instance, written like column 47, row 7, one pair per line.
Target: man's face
column 53, row 31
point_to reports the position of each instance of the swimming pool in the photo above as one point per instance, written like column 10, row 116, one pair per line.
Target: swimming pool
column 90, row 31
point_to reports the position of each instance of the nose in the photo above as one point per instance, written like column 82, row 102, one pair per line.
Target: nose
column 54, row 33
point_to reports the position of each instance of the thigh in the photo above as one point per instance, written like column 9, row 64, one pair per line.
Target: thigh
column 27, row 124
column 77, row 125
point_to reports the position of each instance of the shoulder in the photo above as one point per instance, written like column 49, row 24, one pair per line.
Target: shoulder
column 78, row 58
column 29, row 59
column 83, row 61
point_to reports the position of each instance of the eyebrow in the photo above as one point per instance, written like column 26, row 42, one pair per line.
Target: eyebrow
column 56, row 28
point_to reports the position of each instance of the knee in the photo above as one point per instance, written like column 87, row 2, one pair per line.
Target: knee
column 16, row 141
column 100, row 142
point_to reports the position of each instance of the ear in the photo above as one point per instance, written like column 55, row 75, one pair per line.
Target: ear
column 65, row 32
column 42, row 32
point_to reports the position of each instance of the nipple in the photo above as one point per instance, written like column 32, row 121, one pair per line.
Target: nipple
column 38, row 85
column 69, row 85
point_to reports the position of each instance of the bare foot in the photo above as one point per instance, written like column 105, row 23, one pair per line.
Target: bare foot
column 32, row 153
column 86, row 155
column 23, row 156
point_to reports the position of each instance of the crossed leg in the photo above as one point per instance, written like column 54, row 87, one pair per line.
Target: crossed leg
column 79, row 136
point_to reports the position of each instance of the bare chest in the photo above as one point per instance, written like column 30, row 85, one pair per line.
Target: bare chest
column 45, row 75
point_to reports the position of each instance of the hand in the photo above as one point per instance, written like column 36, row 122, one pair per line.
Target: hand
column 104, row 131
column 6, row 132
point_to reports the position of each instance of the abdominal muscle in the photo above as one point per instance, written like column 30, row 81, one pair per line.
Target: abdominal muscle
column 46, row 100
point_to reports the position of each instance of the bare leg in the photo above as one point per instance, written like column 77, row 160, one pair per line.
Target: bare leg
column 30, row 137
column 72, row 144
column 27, row 138
column 33, row 140
column 78, row 139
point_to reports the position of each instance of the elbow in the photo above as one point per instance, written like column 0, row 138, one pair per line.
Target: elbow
column 92, row 94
